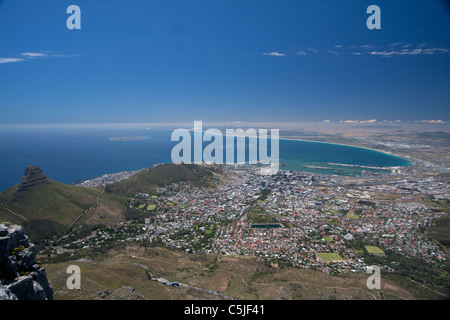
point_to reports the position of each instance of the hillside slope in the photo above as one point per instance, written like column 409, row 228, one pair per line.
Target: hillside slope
column 240, row 277
column 50, row 207
column 44, row 207
column 147, row 181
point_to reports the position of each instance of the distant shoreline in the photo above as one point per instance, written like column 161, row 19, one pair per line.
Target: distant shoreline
column 352, row 146
column 67, row 167
column 126, row 139
column 107, row 178
column 286, row 139
column 338, row 144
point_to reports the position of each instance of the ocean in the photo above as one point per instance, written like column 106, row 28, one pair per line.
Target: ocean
column 71, row 155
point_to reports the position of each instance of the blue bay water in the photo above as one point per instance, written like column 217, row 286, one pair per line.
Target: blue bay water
column 76, row 154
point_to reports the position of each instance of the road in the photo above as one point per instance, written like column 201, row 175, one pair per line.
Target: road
column 160, row 280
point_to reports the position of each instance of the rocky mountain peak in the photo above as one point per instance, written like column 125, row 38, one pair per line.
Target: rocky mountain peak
column 33, row 177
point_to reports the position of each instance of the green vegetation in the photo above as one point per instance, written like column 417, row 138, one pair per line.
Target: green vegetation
column 405, row 267
column 257, row 215
column 335, row 212
column 374, row 250
column 50, row 209
column 239, row 277
column 264, row 194
column 146, row 181
column 413, row 268
column 352, row 216
column 367, row 203
column 17, row 249
column 440, row 231
column 209, row 233
column 329, row 256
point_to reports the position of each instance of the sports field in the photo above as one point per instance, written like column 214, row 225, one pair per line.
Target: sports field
column 374, row 250
column 329, row 256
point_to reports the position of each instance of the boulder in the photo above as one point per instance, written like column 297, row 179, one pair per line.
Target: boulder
column 18, row 257
column 27, row 257
column 40, row 278
column 17, row 237
column 6, row 294
column 22, row 288
column 3, row 230
column 4, row 248
column 9, row 266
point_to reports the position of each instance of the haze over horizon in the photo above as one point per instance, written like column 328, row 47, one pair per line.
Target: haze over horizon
column 252, row 61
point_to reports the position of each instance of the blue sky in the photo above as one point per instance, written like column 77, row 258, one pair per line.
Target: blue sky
column 223, row 60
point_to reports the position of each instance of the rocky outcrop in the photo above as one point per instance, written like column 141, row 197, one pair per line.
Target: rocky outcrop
column 33, row 177
column 21, row 277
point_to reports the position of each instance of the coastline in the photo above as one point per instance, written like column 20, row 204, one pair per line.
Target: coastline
column 98, row 180
column 10, row 177
column 107, row 178
column 332, row 143
column 352, row 146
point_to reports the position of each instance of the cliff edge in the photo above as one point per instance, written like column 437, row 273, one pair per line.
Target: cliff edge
column 21, row 278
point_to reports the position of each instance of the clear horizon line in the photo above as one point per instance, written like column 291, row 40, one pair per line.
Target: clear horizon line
column 222, row 123
column 233, row 122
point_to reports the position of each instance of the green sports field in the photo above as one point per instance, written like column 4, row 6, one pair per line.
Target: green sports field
column 374, row 250
column 329, row 256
